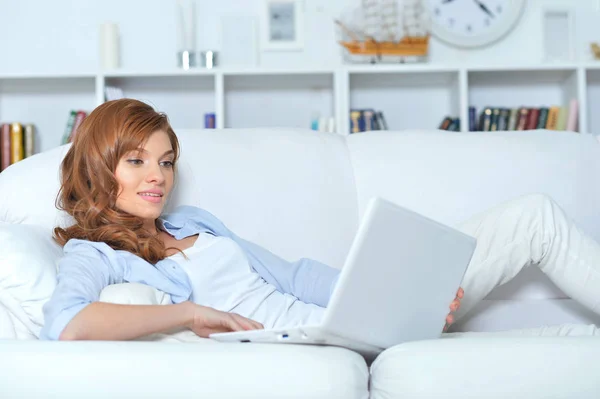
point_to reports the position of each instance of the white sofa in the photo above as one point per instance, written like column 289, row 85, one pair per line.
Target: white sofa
column 301, row 194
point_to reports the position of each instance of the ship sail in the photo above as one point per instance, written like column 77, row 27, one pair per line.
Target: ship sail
column 381, row 35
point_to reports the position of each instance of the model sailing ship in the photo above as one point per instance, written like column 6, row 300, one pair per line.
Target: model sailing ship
column 379, row 36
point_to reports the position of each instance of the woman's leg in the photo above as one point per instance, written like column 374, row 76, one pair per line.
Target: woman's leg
column 530, row 230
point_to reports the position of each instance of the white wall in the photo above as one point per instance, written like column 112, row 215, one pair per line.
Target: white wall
column 61, row 35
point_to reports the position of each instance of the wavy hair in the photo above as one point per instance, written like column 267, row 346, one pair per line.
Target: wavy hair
column 89, row 188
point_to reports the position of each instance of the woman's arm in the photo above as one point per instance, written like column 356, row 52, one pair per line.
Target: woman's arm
column 107, row 321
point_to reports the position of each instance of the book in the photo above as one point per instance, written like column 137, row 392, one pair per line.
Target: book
column 355, row 123
column 445, row 123
column 573, row 116
column 16, row 142
column 523, row 116
column 381, row 121
column 532, row 119
column 513, row 119
column 4, row 146
column 552, row 118
column 473, row 119
column 454, row 125
column 494, row 121
column 210, row 121
column 79, row 117
column 369, row 120
column 28, row 139
column 561, row 120
column 69, row 127
column 503, row 119
column 543, row 118
column 486, row 120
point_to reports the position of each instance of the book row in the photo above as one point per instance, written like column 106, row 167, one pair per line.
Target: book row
column 16, row 143
column 525, row 118
column 74, row 120
column 364, row 120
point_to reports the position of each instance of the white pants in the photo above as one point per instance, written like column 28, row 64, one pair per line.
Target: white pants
column 532, row 230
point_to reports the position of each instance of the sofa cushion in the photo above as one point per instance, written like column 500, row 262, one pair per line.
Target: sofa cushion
column 29, row 190
column 489, row 366
column 28, row 259
column 180, row 370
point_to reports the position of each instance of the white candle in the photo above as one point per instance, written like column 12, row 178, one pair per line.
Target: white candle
column 180, row 24
column 109, row 46
column 186, row 29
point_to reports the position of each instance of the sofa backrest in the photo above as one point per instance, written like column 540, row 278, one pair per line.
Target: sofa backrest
column 300, row 193
column 452, row 176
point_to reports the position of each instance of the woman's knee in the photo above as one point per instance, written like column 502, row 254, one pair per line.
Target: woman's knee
column 535, row 201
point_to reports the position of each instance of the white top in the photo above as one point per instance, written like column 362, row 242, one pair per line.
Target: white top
column 222, row 278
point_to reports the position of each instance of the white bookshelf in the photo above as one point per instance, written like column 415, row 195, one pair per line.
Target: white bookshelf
column 412, row 96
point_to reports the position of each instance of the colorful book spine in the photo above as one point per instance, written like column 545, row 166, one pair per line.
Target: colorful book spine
column 210, row 121
column 514, row 118
column 69, row 127
column 523, row 116
column 381, row 122
column 561, row 121
column 79, row 117
column 532, row 119
column 4, row 146
column 28, row 139
column 552, row 122
column 573, row 116
column 16, row 142
column 355, row 116
column 543, row 118
column 503, row 119
column 473, row 119
column 486, row 120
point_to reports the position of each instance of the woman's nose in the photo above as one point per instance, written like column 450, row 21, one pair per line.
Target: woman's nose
column 155, row 174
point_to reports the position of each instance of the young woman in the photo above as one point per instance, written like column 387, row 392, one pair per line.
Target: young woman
column 116, row 179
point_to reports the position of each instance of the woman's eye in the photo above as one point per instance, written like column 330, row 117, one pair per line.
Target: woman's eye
column 168, row 164
column 135, row 161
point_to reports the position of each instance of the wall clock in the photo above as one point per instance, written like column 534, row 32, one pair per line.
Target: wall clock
column 473, row 23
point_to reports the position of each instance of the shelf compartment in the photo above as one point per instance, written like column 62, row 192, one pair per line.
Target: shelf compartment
column 185, row 99
column 593, row 100
column 46, row 102
column 522, row 88
column 278, row 100
column 408, row 100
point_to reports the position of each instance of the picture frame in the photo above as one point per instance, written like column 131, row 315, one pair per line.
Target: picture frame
column 282, row 25
column 558, row 24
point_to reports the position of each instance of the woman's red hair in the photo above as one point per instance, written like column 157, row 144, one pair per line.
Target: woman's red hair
column 89, row 189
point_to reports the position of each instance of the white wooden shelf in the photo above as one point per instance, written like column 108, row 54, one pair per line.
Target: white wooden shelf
column 412, row 96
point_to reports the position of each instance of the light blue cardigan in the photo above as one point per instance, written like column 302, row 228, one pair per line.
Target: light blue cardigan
column 87, row 267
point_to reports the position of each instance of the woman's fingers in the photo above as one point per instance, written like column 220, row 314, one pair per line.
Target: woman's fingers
column 247, row 324
column 455, row 305
column 461, row 293
column 449, row 319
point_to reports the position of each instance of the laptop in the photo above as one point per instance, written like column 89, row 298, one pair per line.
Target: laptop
column 401, row 274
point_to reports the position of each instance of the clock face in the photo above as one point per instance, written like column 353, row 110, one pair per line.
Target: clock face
column 472, row 23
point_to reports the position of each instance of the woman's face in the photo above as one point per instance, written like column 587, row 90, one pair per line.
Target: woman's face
column 145, row 178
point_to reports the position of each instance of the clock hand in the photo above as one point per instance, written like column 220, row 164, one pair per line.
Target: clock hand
column 447, row 1
column 484, row 8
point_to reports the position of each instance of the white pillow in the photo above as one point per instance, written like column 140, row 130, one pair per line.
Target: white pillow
column 28, row 261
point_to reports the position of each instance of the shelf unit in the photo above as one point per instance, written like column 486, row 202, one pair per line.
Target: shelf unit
column 412, row 96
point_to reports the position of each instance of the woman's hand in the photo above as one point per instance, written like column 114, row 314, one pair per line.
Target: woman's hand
column 454, row 306
column 206, row 321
